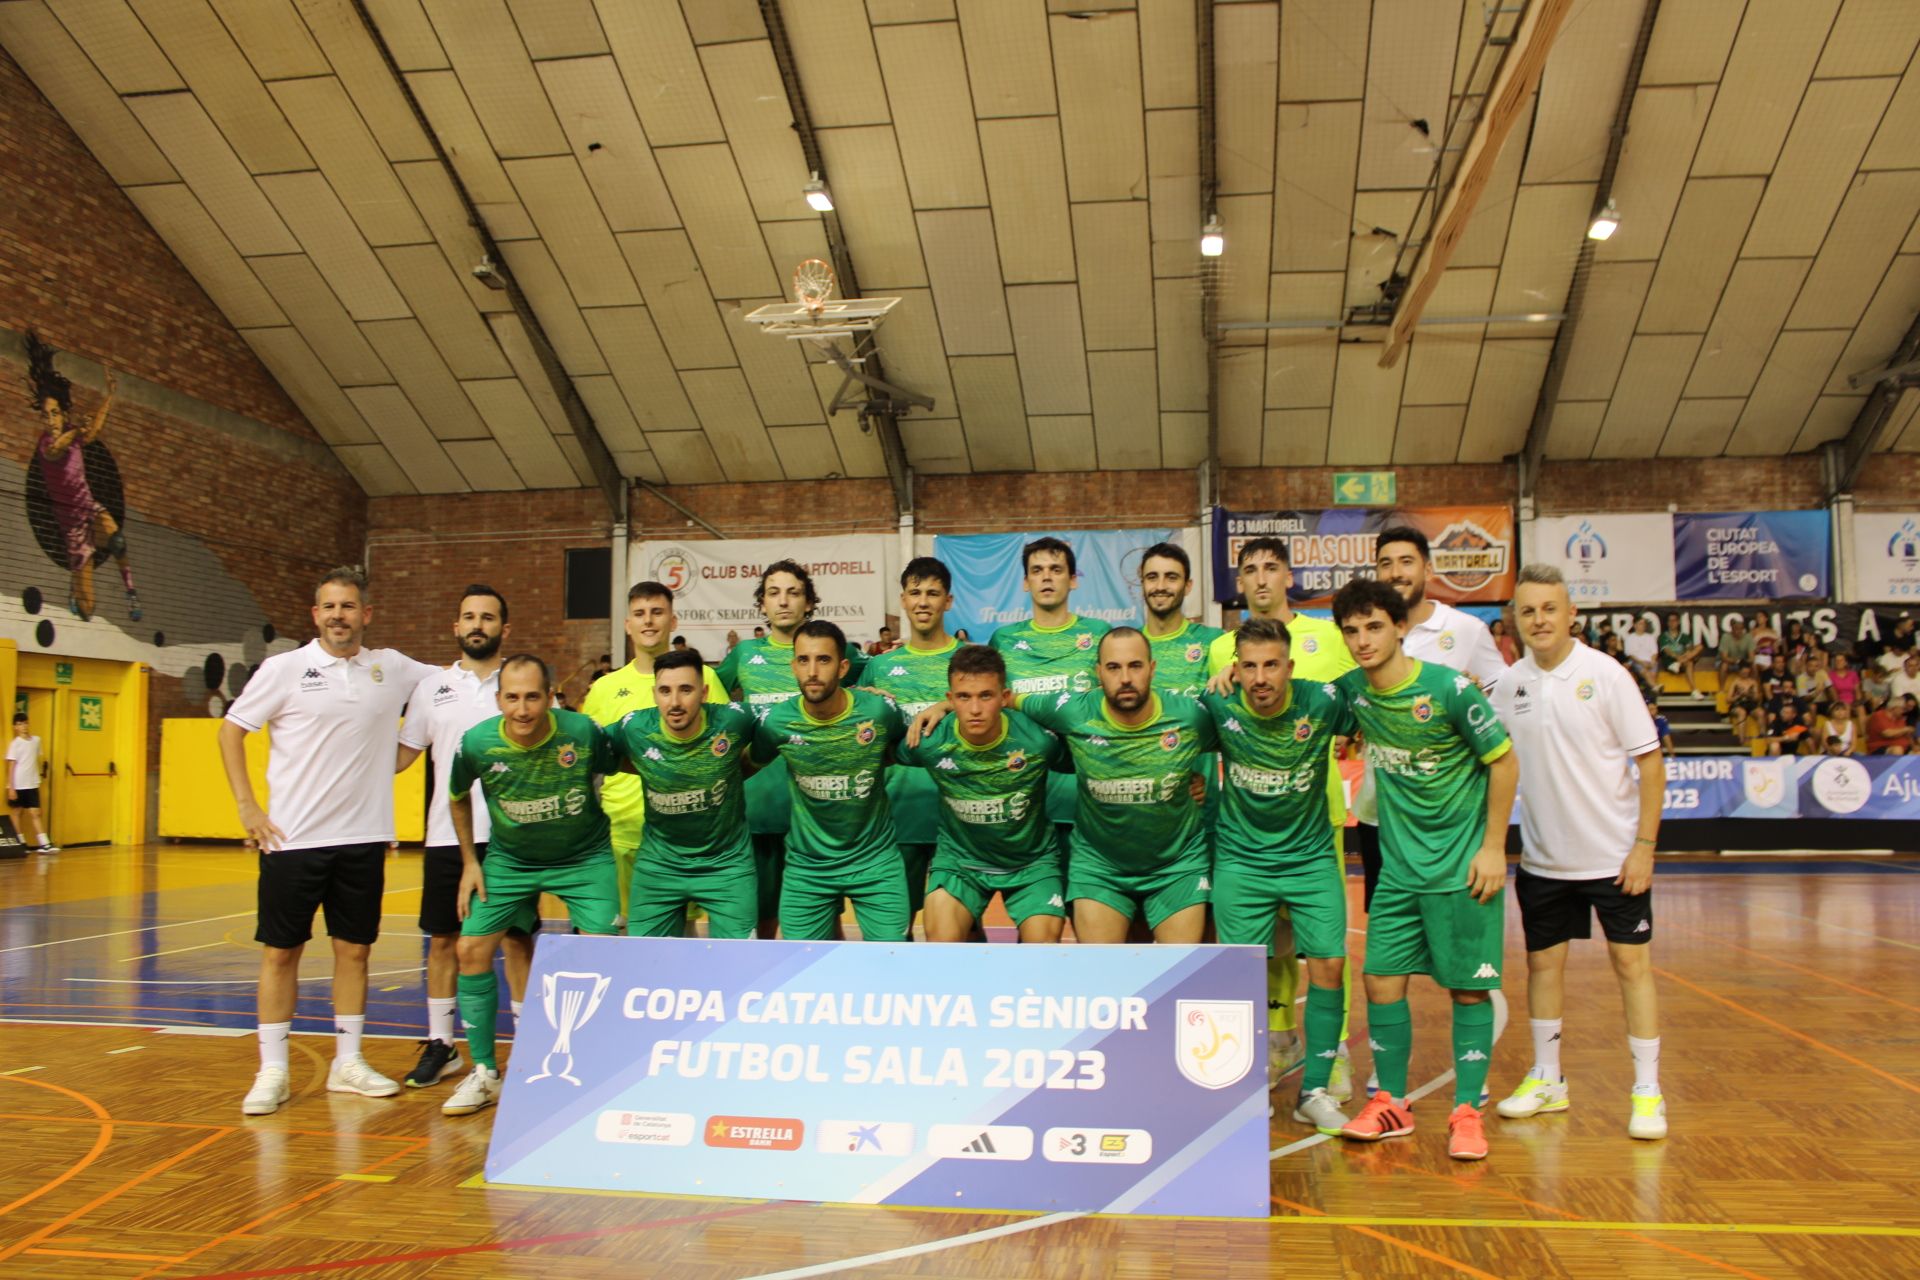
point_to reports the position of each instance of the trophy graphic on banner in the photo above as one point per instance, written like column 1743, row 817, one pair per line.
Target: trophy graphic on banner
column 569, row 999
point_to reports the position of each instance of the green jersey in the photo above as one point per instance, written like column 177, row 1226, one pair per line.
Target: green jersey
column 1430, row 739
column 841, row 817
column 1274, row 809
column 695, row 809
column 1319, row 653
column 915, row 679
column 992, row 799
column 1060, row 660
column 1181, row 659
column 610, row 699
column 540, row 798
column 1135, row 808
column 760, row 671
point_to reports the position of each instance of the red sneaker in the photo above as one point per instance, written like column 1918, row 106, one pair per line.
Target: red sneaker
column 1466, row 1137
column 1382, row 1117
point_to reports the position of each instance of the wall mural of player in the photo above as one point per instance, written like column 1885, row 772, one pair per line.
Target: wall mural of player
column 74, row 498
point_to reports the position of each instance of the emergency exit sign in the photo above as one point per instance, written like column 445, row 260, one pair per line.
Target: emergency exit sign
column 1363, row 489
column 63, row 673
column 93, row 714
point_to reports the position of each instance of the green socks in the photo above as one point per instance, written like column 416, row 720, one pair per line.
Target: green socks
column 1390, row 1031
column 480, row 1010
column 1472, row 1050
column 1326, row 1011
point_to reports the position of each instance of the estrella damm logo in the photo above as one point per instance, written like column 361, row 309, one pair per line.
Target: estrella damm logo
column 1083, row 641
column 1302, row 729
column 1195, row 653
column 1584, row 691
column 1016, row 760
column 1170, row 740
column 1423, row 708
column 568, row 755
column 865, row 732
column 721, row 744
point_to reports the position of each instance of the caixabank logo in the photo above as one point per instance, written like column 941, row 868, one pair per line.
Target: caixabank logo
column 1467, row 557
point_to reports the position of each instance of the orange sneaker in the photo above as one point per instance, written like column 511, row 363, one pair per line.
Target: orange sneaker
column 1466, row 1138
column 1382, row 1117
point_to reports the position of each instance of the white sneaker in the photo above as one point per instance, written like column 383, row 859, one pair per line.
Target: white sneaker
column 1373, row 1083
column 479, row 1088
column 1534, row 1096
column 1649, row 1120
column 1285, row 1053
column 1340, row 1082
column 1317, row 1108
column 47, row 846
column 356, row 1075
column 269, row 1092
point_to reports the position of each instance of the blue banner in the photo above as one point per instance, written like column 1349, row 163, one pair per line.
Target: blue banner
column 1107, row 1079
column 1872, row 787
column 988, row 579
column 1751, row 555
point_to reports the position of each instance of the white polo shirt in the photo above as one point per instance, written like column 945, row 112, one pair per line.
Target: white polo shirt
column 1575, row 731
column 335, row 731
column 1457, row 639
column 25, row 754
column 444, row 706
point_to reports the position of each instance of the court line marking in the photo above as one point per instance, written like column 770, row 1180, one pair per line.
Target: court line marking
column 132, row 1048
column 20, row 1071
column 1306, row 1213
column 1797, row 968
column 100, row 1253
column 1827, row 924
column 100, row 1141
column 177, row 924
column 1822, row 1045
column 220, row 982
column 155, row 955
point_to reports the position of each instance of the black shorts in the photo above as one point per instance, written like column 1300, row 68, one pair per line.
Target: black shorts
column 440, row 890
column 26, row 797
column 1557, row 911
column 345, row 881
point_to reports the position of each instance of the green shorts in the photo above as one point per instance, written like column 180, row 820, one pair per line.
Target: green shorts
column 729, row 890
column 1248, row 899
column 810, row 900
column 1157, row 894
column 589, row 889
column 1037, row 889
column 1447, row 936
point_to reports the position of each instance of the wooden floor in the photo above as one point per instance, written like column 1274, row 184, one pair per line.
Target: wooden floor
column 1792, row 1071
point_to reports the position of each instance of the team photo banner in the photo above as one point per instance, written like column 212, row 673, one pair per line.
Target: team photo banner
column 1886, row 555
column 988, row 579
column 1093, row 1079
column 1473, row 549
column 1751, row 555
column 1606, row 557
column 713, row 582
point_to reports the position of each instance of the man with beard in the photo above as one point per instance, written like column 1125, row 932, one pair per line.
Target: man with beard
column 1181, row 647
column 443, row 707
column 650, row 623
column 836, row 742
column 758, row 674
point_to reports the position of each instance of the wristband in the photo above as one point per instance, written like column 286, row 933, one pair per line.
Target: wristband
column 1642, row 840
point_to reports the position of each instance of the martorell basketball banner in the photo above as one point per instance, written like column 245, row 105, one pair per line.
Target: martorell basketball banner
column 1114, row 1079
column 713, row 581
column 1473, row 551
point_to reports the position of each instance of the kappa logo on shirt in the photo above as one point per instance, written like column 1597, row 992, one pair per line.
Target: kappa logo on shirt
column 756, row 661
column 1056, row 901
column 1460, row 684
column 1643, row 927
column 444, row 694
column 1204, row 886
column 1473, row 1055
column 796, row 740
column 310, row 674
column 653, row 753
column 1021, row 645
column 1486, row 971
column 1361, row 701
column 898, row 671
column 1096, row 741
column 500, row 766
column 946, row 762
column 1233, row 725
column 623, row 692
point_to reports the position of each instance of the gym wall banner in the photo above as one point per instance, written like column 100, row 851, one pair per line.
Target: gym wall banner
column 1473, row 549
column 1606, row 557
column 1751, row 555
column 988, row 589
column 713, row 582
column 1861, row 787
column 1841, row 627
column 1886, row 555
column 1093, row 1079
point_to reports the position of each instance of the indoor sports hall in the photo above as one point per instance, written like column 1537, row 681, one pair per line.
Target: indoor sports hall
column 1508, row 408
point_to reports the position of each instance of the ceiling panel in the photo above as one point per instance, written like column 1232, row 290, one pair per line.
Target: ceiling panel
column 1097, row 66
column 1772, row 58
column 196, row 148
column 1871, row 38
column 1027, row 180
column 1409, row 73
column 987, row 392
column 315, row 216
column 423, row 374
column 485, row 48
column 440, row 303
column 557, row 198
column 1588, row 64
column 1700, row 252
column 1836, row 121
column 1786, row 391
column 1873, row 220
column 1616, row 291
column 1366, row 405
column 224, row 83
column 1505, row 391
column 719, row 218
column 1126, row 414
column 727, row 415
column 338, row 29
column 1009, row 57
column 753, row 105
column 206, row 252
column 966, row 281
column 1691, row 41
column 407, row 440
column 776, row 370
column 677, row 295
column 590, row 99
column 926, row 79
column 1316, row 148
column 1651, row 379
column 832, row 39
column 1242, row 371
column 1246, row 79
column 1653, row 168
column 870, row 194
column 1700, row 428
column 638, row 361
column 1294, row 437
column 1323, row 50
column 119, row 44
column 307, row 301
column 353, row 163
column 521, row 433
column 650, row 41
column 1051, row 348
column 275, row 40
column 1111, row 239
column 1744, row 327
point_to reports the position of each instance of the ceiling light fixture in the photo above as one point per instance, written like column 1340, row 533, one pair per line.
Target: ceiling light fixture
column 1605, row 223
column 1213, row 238
column 817, row 196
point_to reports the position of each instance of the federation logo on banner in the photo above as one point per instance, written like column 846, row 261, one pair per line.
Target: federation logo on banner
column 1214, row 1042
column 672, row 568
column 1467, row 557
column 1586, row 547
column 1842, row 785
column 569, row 1000
column 1904, row 546
column 1765, row 782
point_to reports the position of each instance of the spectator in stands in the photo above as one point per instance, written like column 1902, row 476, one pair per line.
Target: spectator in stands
column 884, row 643
column 1835, row 733
column 1781, row 692
column 1875, row 687
column 733, row 638
column 1742, row 690
column 1896, row 647
column 759, row 633
column 1786, row 731
column 961, row 636
column 1796, row 641
column 602, row 666
column 679, row 642
column 1736, row 647
column 1813, row 682
column 1503, row 641
column 1906, row 681
column 1661, row 728
column 1844, row 680
column 1888, row 732
column 1679, row 652
column 1643, row 652
column 1766, row 641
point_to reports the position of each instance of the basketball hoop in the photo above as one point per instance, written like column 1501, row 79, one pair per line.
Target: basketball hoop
column 812, row 283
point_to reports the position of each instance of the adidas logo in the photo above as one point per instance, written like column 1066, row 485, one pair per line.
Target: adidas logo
column 898, row 671
column 982, row 1145
column 946, row 762
column 1643, row 927
column 1473, row 1055
column 1486, row 971
column 653, row 753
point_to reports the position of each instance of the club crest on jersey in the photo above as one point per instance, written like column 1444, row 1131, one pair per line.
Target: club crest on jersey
column 1195, row 653
column 1446, row 642
column 721, row 743
column 865, row 732
column 1302, row 729
column 1423, row 708
column 1170, row 740
column 1584, row 691
column 378, row 674
column 1016, row 760
column 1083, row 641
column 568, row 756
column 1310, row 644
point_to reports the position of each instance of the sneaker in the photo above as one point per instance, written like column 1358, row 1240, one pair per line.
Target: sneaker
column 438, row 1060
column 1696, row 694
column 47, row 846
column 268, row 1094
column 1534, row 1096
column 1382, row 1117
column 1649, row 1119
column 619, row 924
column 356, row 1075
column 1340, row 1082
column 1317, row 1108
column 133, row 604
column 479, row 1088
column 1285, row 1054
column 1466, row 1137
